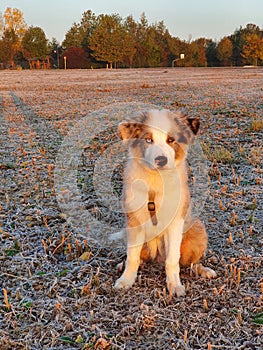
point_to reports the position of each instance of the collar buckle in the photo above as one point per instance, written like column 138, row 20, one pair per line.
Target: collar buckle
column 151, row 208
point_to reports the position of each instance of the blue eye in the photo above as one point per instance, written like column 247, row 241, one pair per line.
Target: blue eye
column 149, row 140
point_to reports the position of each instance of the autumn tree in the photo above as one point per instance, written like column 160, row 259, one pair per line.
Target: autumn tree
column 55, row 50
column 211, row 53
column 171, row 47
column 252, row 29
column 74, row 36
column 239, row 40
column 14, row 21
column 88, row 24
column 253, row 49
column 10, row 44
column 175, row 47
column 78, row 35
column 148, row 52
column 158, row 45
column 108, row 41
column 152, row 49
column 224, row 51
column 1, row 25
column 195, row 53
column 2, row 54
column 76, row 58
column 13, row 28
column 131, row 29
column 35, row 43
column 141, row 59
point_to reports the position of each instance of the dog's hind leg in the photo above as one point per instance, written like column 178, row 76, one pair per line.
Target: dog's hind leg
column 194, row 243
column 193, row 247
column 203, row 271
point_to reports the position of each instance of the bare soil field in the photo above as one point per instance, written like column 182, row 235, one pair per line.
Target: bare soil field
column 58, row 271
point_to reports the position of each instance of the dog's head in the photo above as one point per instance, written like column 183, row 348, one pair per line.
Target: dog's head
column 159, row 139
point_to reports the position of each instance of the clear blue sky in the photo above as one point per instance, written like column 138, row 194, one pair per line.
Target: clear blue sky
column 183, row 18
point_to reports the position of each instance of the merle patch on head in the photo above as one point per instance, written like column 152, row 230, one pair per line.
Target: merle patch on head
column 182, row 138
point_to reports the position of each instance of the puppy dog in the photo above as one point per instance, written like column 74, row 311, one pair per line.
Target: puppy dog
column 157, row 199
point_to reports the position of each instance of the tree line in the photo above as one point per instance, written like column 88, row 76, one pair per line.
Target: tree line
column 110, row 40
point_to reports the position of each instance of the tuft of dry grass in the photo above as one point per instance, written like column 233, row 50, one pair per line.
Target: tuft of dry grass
column 256, row 125
column 218, row 153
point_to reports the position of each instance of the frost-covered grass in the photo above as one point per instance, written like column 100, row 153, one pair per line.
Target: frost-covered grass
column 57, row 285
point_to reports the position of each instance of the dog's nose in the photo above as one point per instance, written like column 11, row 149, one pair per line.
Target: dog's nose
column 161, row 161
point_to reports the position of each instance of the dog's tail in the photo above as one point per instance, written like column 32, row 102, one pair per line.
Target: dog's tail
column 194, row 243
column 120, row 235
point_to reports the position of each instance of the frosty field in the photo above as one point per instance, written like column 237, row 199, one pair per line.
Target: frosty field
column 60, row 180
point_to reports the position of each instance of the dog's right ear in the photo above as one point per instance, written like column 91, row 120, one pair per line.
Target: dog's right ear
column 194, row 124
column 130, row 130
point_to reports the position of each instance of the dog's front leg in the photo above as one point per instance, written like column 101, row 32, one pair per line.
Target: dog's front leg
column 173, row 240
column 135, row 241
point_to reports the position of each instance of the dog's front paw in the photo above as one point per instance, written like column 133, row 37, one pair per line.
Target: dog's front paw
column 124, row 282
column 177, row 289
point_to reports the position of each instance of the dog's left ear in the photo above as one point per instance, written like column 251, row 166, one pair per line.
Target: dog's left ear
column 193, row 123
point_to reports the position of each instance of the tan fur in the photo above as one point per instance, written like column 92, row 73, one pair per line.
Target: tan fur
column 158, row 143
column 194, row 244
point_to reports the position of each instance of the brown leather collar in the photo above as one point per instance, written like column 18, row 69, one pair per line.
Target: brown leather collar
column 151, row 208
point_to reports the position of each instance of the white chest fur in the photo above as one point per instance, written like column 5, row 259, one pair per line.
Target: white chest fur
column 168, row 188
